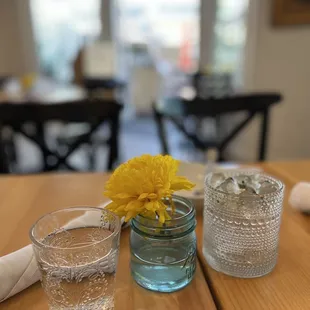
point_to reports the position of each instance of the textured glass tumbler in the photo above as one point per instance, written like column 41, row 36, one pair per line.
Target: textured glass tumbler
column 241, row 232
column 163, row 256
column 77, row 250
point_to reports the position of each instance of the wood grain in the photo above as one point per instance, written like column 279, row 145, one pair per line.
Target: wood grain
column 291, row 173
column 25, row 198
column 287, row 287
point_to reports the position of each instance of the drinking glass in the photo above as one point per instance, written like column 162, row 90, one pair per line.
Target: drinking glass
column 241, row 232
column 77, row 251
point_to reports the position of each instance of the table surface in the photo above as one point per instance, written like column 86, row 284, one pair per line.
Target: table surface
column 48, row 91
column 25, row 198
column 180, row 106
column 44, row 91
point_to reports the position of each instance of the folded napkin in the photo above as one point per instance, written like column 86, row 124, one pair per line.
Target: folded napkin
column 19, row 270
column 300, row 197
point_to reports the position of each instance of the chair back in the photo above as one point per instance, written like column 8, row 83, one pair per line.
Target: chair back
column 217, row 106
column 73, row 111
column 91, row 111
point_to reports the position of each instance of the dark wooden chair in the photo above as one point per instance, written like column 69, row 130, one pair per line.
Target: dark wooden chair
column 97, row 88
column 209, row 85
column 94, row 112
column 178, row 110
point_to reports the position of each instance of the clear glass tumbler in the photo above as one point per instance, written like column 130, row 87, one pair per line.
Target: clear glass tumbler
column 241, row 232
column 77, row 251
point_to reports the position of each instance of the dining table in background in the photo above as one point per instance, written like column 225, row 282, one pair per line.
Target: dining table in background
column 26, row 198
column 43, row 90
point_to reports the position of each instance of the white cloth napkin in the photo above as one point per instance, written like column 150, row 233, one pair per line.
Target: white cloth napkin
column 19, row 270
column 300, row 197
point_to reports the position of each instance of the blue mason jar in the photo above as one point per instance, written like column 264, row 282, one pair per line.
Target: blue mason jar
column 163, row 256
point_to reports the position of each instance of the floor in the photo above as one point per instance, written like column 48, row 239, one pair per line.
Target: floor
column 139, row 136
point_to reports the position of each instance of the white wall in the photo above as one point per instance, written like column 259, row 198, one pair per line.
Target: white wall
column 105, row 12
column 17, row 49
column 278, row 60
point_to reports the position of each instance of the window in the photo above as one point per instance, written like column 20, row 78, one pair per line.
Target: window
column 230, row 33
column 61, row 27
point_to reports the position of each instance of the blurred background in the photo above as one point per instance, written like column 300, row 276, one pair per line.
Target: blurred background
column 86, row 85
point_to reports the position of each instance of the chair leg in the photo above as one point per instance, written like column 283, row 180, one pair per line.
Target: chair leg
column 4, row 166
column 264, row 135
column 161, row 131
column 40, row 134
column 74, row 146
column 221, row 156
column 3, row 160
column 113, row 152
column 92, row 148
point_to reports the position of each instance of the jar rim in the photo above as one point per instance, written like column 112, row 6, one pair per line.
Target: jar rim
column 178, row 221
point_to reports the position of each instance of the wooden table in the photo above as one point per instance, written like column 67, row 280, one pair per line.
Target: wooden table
column 25, row 198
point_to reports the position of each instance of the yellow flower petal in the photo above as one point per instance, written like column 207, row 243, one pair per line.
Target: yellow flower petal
column 111, row 206
column 150, row 206
column 120, row 213
column 134, row 205
column 123, row 196
column 143, row 196
column 130, row 215
column 149, row 214
column 120, row 208
column 152, row 196
column 167, row 216
column 179, row 183
column 161, row 214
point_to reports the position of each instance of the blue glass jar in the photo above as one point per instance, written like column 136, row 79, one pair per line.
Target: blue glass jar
column 163, row 256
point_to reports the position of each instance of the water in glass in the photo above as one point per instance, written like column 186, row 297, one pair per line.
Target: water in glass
column 167, row 267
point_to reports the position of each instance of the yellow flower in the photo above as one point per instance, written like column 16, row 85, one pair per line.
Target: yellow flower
column 139, row 185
